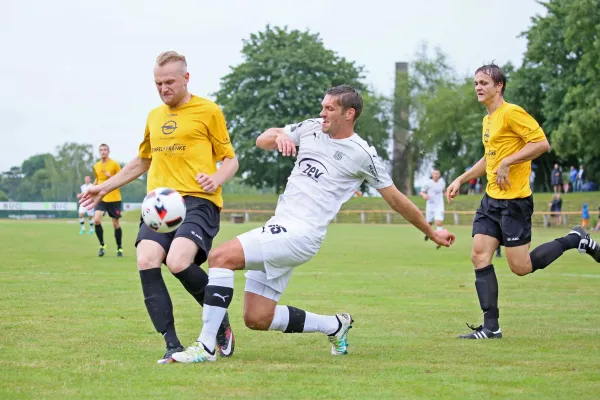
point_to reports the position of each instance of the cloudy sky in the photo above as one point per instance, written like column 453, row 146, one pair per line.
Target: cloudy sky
column 82, row 71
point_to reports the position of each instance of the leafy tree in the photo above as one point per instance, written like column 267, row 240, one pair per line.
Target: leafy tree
column 34, row 163
column 282, row 79
column 3, row 196
column 66, row 171
column 560, row 72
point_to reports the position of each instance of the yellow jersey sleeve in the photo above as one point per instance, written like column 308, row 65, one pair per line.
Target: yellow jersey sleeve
column 525, row 125
column 219, row 136
column 145, row 149
column 116, row 168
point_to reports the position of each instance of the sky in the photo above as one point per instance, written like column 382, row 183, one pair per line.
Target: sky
column 79, row 71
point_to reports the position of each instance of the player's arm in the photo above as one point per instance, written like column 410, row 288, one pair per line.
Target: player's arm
column 277, row 139
column 475, row 172
column 424, row 193
column 403, row 206
column 531, row 151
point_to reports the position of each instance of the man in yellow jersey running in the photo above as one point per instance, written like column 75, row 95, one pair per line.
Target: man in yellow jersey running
column 184, row 140
column 110, row 203
column 511, row 138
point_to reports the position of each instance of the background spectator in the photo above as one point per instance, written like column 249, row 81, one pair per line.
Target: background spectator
column 585, row 216
column 556, row 206
column 573, row 176
column 579, row 180
column 531, row 178
column 556, row 178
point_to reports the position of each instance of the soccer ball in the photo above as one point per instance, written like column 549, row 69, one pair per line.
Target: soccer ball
column 163, row 210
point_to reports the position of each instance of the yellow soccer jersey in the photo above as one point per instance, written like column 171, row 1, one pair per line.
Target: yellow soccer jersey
column 505, row 132
column 183, row 142
column 102, row 172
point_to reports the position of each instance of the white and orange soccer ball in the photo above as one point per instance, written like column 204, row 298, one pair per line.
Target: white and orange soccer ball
column 163, row 210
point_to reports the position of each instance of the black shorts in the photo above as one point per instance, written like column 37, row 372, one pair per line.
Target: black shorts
column 113, row 208
column 509, row 221
column 201, row 225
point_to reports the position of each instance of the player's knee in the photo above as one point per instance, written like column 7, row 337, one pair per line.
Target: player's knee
column 116, row 224
column 478, row 258
column 258, row 321
column 177, row 262
column 519, row 269
column 146, row 261
column 218, row 258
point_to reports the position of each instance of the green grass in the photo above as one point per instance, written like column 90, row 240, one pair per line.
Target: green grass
column 571, row 202
column 75, row 326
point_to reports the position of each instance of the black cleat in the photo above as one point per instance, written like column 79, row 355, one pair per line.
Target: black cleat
column 101, row 251
column 225, row 338
column 426, row 238
column 120, row 253
column 586, row 243
column 168, row 357
column 481, row 333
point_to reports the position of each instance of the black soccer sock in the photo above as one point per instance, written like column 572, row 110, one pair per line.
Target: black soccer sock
column 81, row 222
column 159, row 305
column 545, row 254
column 194, row 280
column 118, row 236
column 100, row 234
column 486, row 284
column 296, row 321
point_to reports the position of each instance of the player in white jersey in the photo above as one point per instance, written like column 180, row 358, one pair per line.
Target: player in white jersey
column 332, row 163
column 82, row 210
column 433, row 192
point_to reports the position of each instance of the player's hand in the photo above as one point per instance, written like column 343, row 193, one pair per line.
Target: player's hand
column 453, row 190
column 285, row 145
column 425, row 196
column 502, row 176
column 443, row 238
column 208, row 182
column 91, row 197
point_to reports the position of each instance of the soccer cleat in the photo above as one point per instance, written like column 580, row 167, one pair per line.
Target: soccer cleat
column 92, row 231
column 120, row 253
column 586, row 243
column 225, row 339
column 101, row 251
column 482, row 333
column 82, row 231
column 339, row 340
column 168, row 357
column 426, row 238
column 196, row 353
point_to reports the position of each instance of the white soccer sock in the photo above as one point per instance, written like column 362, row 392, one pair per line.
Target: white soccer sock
column 439, row 228
column 280, row 319
column 326, row 324
column 216, row 300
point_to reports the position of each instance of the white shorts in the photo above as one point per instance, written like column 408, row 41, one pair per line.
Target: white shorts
column 432, row 214
column 83, row 210
column 273, row 251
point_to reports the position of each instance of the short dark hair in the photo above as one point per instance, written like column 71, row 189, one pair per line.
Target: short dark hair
column 103, row 145
column 495, row 72
column 348, row 97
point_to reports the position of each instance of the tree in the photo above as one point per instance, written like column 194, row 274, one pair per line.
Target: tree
column 561, row 68
column 34, row 163
column 445, row 117
column 3, row 196
column 66, row 171
column 281, row 80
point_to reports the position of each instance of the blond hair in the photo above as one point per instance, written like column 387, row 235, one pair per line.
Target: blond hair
column 170, row 56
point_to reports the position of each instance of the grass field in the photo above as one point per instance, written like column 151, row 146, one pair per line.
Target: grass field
column 75, row 326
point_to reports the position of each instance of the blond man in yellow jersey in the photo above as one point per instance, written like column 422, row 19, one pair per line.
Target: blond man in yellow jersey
column 183, row 141
column 110, row 203
column 511, row 138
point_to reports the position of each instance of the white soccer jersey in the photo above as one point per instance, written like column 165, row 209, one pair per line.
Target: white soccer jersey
column 326, row 174
column 435, row 191
column 85, row 187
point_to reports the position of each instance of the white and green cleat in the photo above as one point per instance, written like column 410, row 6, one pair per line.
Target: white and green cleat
column 196, row 353
column 339, row 341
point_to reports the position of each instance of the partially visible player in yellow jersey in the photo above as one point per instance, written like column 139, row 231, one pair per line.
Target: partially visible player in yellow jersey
column 183, row 141
column 511, row 138
column 110, row 204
